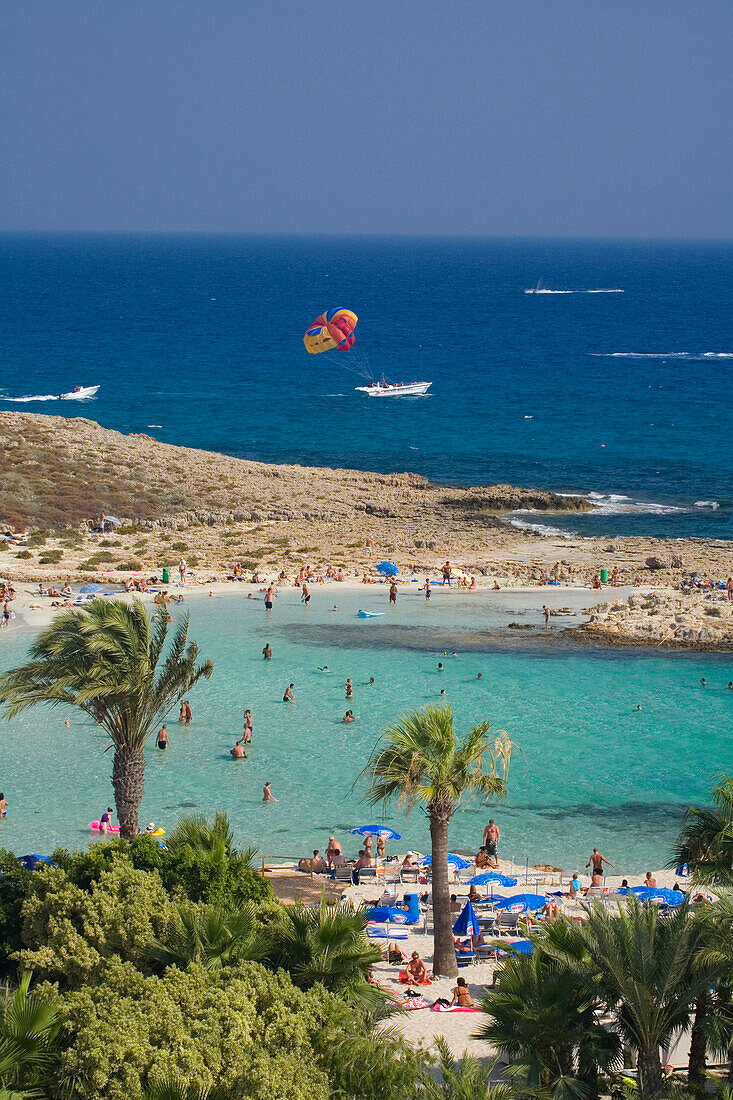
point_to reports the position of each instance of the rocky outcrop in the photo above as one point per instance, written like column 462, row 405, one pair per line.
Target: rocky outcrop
column 699, row 621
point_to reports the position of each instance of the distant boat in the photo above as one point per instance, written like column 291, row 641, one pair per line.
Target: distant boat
column 79, row 393
column 397, row 389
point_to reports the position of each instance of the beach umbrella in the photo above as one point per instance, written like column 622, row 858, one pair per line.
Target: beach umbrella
column 90, row 588
column 493, row 877
column 387, row 914
column 454, row 860
column 467, row 923
column 658, row 893
column 521, row 903
column 522, row 947
column 387, row 568
column 376, row 830
column 113, row 520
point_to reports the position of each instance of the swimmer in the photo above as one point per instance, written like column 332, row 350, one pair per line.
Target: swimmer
column 638, row 706
column 238, row 753
column 150, row 828
column 267, row 795
column 702, row 681
column 371, row 682
column 349, row 688
column 288, row 697
column 480, row 676
column 440, row 667
column 442, row 691
column 335, row 607
column 163, row 741
column 730, row 685
column 348, row 717
column 323, row 668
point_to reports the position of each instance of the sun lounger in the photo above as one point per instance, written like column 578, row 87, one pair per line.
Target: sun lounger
column 409, row 874
column 506, row 923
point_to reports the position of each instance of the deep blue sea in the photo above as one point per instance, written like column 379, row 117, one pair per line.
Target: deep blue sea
column 198, row 341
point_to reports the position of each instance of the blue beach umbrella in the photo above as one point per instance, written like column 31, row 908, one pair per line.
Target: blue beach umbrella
column 493, row 877
column 521, row 903
column 522, row 947
column 467, row 923
column 454, row 860
column 376, row 830
column 90, row 588
column 113, row 520
column 658, row 893
column 387, row 914
column 387, row 568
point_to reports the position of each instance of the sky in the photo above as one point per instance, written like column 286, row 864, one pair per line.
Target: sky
column 579, row 118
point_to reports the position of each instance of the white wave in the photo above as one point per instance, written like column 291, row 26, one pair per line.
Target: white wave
column 713, row 505
column 717, row 355
column 155, row 425
column 692, row 356
column 618, row 503
column 599, row 290
column 541, row 528
column 33, row 397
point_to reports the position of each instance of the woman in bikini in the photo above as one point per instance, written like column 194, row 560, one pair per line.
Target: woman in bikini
column 462, row 996
column 416, row 970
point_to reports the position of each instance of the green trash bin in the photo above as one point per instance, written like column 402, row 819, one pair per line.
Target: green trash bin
column 166, row 575
column 604, row 575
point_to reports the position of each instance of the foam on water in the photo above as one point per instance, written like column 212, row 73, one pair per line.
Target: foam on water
column 591, row 770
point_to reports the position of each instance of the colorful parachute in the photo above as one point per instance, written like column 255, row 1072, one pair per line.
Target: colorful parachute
column 333, row 329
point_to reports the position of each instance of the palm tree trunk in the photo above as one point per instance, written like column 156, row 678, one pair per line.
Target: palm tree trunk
column 650, row 1071
column 128, row 780
column 698, row 1045
column 444, row 954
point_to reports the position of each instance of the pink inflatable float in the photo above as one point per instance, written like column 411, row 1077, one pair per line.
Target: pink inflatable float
column 97, row 827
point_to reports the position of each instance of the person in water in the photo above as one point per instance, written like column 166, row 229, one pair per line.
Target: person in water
column 238, row 753
column 163, row 741
column 267, row 652
column 349, row 688
column 267, row 795
column 3, row 805
column 393, row 593
column 105, row 820
column 288, row 697
column 305, row 596
column 428, row 589
column 348, row 717
column 248, row 726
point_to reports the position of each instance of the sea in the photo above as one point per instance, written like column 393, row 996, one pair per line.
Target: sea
column 614, row 381
column 619, row 387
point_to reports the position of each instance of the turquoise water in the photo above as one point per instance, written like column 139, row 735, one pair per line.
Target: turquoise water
column 588, row 768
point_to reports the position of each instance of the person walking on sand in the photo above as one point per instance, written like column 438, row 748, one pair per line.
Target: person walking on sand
column 267, row 795
column 182, row 570
column 596, row 861
column 288, row 697
column 492, row 836
column 729, row 588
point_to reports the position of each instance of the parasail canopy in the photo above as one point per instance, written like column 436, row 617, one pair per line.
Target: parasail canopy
column 333, row 330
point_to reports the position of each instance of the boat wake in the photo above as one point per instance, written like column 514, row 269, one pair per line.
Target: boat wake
column 82, row 393
column 593, row 290
column 32, row 397
column 691, row 356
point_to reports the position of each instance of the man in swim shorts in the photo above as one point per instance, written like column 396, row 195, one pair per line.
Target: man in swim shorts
column 266, row 652
column 163, row 741
column 597, row 861
column 492, row 836
column 288, row 697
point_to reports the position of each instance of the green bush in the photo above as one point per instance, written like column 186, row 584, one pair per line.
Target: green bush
column 17, row 883
column 248, row 1032
column 37, row 538
column 179, row 546
column 50, row 557
column 24, row 555
column 132, row 566
column 89, row 566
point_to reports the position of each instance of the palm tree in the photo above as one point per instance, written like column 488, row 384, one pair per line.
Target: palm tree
column 705, row 841
column 213, row 840
column 422, row 763
column 715, row 957
column 543, row 1021
column 211, row 937
column 29, row 1028
column 105, row 659
column 173, row 1088
column 466, row 1079
column 327, row 944
column 639, row 964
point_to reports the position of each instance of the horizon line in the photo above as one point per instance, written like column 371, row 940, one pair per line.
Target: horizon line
column 383, row 236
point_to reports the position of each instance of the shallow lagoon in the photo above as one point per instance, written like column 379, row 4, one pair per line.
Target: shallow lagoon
column 588, row 767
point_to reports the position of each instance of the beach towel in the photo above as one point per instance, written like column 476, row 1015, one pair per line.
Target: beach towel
column 411, row 1003
column 437, row 1007
column 402, row 977
column 383, row 934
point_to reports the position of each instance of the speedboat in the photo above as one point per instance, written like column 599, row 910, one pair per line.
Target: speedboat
column 79, row 393
column 396, row 389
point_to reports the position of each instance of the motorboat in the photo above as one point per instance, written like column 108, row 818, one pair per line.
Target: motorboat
column 79, row 393
column 395, row 389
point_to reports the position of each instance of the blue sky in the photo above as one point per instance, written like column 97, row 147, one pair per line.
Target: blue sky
column 478, row 117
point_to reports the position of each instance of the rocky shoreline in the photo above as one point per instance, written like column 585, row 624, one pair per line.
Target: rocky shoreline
column 671, row 620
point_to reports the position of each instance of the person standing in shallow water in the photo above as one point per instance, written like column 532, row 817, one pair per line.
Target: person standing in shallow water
column 267, row 795
column 349, row 689
column 267, row 652
column 393, row 593
column 288, row 697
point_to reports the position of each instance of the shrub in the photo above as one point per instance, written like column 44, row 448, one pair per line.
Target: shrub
column 50, row 557
column 37, row 538
column 179, row 546
column 104, row 555
column 132, row 566
column 89, row 566
column 249, row 1032
column 24, row 555
column 193, row 559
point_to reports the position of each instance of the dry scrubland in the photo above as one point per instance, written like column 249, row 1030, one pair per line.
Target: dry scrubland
column 215, row 510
